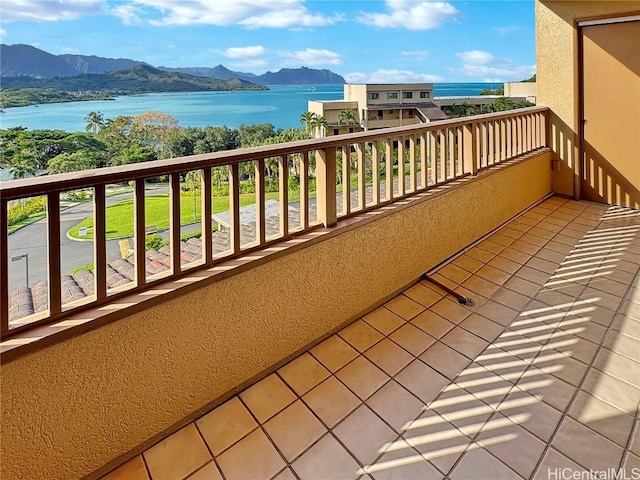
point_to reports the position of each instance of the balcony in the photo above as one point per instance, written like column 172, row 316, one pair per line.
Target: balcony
column 124, row 368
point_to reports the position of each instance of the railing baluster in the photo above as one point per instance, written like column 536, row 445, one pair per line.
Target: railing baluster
column 362, row 178
column 4, row 266
column 261, row 226
column 206, row 220
column 423, row 160
column 413, row 165
column 389, row 169
column 375, row 173
column 139, row 232
column 326, row 186
column 304, row 190
column 433, row 156
column 503, row 140
column 470, row 149
column 53, row 246
column 459, row 152
column 491, row 160
column 234, row 207
column 451, row 147
column 283, row 177
column 401, row 177
column 100, row 241
column 174, row 222
column 346, row 179
column 442, row 155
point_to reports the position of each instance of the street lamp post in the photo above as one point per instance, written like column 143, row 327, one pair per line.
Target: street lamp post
column 26, row 266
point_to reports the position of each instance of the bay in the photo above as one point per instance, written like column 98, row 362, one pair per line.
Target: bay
column 281, row 105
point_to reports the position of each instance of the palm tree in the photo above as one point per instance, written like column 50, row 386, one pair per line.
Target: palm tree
column 307, row 119
column 347, row 116
column 319, row 124
column 95, row 121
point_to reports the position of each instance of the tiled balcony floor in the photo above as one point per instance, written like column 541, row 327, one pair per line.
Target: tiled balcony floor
column 543, row 373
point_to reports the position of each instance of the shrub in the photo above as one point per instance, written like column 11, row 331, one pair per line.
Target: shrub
column 88, row 266
column 154, row 242
column 188, row 235
column 22, row 211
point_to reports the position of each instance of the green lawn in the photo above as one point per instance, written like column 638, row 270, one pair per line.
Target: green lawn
column 120, row 215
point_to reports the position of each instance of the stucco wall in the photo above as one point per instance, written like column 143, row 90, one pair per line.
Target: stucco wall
column 557, row 75
column 71, row 408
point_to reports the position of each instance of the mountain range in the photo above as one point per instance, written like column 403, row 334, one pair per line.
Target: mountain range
column 29, row 61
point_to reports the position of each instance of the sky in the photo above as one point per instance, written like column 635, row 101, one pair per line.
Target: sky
column 375, row 41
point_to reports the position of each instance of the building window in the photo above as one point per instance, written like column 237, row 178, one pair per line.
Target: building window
column 425, row 94
column 374, row 96
column 379, row 113
column 409, row 113
column 336, row 131
column 350, row 130
column 391, row 112
column 407, row 94
column 392, row 95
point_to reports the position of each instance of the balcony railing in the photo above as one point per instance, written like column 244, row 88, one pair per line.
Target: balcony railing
column 297, row 187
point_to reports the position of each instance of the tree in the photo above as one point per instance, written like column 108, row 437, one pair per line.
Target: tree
column 154, row 128
column 24, row 163
column 95, row 121
column 307, row 119
column 319, row 125
column 71, row 162
column 348, row 116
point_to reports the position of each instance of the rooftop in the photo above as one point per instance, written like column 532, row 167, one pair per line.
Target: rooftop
column 543, row 373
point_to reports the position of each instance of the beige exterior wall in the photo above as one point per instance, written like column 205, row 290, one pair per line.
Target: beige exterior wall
column 521, row 89
column 71, row 408
column 558, row 75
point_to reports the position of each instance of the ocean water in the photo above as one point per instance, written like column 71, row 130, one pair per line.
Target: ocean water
column 281, row 105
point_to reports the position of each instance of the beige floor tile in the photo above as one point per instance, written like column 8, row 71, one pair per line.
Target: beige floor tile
column 493, row 274
column 208, row 472
column 551, row 256
column 388, row 356
column 432, row 323
column 267, row 397
column 626, row 326
column 468, row 263
column 634, row 446
column 483, row 384
column 132, row 470
column 303, row 373
column 512, row 444
column 440, row 279
column 586, row 447
column 454, row 273
column 609, row 389
column 286, row 474
column 554, row 463
column 477, row 464
column 547, row 388
column 522, row 286
column 412, row 339
column 510, row 232
column 491, row 247
column 360, row 335
column 436, row 439
column 609, row 286
column 331, row 401
column 334, row 353
column 601, row 299
column 178, row 455
column 567, row 369
column 364, row 434
column 421, row 380
column 480, row 254
column 404, row 307
column 631, row 463
column 600, row 315
column 481, row 286
column 503, row 363
column 481, row 327
column 504, row 264
column 464, row 342
column 445, row 360
column 464, row 411
column 515, row 255
column 362, row 377
column 525, row 247
column 498, row 313
column 326, row 460
column 294, row 429
column 225, row 425
column 542, row 265
column 450, row 310
column 384, row 320
column 530, row 413
column 403, row 465
column 602, row 417
column 252, row 457
column 395, row 405
column 623, row 345
column 423, row 295
column 618, row 366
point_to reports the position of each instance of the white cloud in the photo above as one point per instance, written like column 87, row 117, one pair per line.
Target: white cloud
column 392, row 76
column 256, row 63
column 418, row 54
column 410, row 14
column 477, row 63
column 49, row 10
column 311, row 56
column 244, row 52
column 129, row 14
column 476, row 57
column 503, row 31
column 3, row 34
column 250, row 13
column 69, row 50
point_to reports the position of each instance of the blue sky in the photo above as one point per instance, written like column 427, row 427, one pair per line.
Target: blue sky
column 363, row 40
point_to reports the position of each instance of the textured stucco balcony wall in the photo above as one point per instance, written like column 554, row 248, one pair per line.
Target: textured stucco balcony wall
column 558, row 75
column 71, row 408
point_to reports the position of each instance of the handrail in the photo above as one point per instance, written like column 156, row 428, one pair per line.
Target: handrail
column 354, row 173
